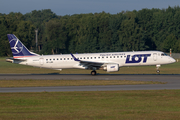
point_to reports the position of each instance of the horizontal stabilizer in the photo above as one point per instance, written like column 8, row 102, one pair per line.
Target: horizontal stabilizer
column 11, row 60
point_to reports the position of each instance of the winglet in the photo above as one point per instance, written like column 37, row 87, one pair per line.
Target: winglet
column 75, row 59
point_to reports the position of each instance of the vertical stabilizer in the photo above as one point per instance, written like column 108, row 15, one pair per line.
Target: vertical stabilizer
column 17, row 48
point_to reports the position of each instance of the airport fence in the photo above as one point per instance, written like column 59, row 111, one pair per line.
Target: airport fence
column 174, row 55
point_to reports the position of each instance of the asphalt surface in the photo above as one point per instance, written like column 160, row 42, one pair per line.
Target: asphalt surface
column 173, row 82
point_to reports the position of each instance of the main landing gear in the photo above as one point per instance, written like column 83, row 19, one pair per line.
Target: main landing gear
column 157, row 67
column 93, row 72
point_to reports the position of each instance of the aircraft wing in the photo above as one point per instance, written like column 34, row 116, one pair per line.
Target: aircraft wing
column 91, row 63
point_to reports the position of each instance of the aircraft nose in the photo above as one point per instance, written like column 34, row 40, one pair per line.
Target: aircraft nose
column 173, row 60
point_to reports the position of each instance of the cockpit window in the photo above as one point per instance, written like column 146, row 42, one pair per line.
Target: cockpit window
column 163, row 54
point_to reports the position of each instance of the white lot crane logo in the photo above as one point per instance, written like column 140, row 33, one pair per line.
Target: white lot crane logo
column 18, row 47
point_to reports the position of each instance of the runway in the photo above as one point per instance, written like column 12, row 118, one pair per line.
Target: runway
column 173, row 82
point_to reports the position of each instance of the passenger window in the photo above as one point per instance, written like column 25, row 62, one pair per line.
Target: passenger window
column 60, row 58
column 94, row 57
column 50, row 59
column 117, row 56
column 102, row 57
column 87, row 57
column 57, row 59
column 124, row 56
column 53, row 59
column 114, row 56
column 107, row 57
column 84, row 58
column 64, row 58
column 46, row 59
column 67, row 58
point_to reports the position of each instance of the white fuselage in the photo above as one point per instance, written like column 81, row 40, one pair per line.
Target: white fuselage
column 66, row 61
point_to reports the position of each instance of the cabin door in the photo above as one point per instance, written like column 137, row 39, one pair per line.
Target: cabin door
column 155, row 56
column 41, row 61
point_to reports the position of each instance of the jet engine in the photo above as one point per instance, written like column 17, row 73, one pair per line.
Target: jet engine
column 112, row 67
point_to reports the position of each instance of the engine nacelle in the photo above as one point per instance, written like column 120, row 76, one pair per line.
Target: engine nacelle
column 112, row 67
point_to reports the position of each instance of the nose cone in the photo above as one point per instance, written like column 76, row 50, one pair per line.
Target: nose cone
column 173, row 60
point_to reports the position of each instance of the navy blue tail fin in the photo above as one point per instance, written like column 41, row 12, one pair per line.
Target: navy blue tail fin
column 17, row 48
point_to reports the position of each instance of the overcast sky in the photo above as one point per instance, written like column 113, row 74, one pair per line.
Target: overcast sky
column 69, row 7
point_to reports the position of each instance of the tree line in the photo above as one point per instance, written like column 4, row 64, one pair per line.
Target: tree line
column 146, row 29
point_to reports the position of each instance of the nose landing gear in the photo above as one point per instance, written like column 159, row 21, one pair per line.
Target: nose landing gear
column 157, row 67
column 158, row 71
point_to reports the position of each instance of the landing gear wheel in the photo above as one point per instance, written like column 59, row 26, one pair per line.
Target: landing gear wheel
column 158, row 71
column 93, row 72
column 157, row 67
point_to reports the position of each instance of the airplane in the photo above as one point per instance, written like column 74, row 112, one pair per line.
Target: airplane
column 109, row 61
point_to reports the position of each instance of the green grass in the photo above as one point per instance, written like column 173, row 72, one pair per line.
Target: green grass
column 106, row 105
column 42, row 83
column 6, row 67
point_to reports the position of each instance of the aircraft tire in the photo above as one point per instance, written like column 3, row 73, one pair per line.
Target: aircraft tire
column 93, row 72
column 158, row 71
